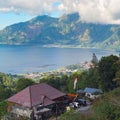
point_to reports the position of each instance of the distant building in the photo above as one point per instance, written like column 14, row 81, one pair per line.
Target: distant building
column 31, row 102
column 80, row 92
column 92, row 93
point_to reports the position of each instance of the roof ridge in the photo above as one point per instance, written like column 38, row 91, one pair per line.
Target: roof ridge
column 30, row 95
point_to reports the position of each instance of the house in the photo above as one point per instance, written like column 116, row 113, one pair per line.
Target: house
column 92, row 93
column 71, row 97
column 80, row 93
column 32, row 101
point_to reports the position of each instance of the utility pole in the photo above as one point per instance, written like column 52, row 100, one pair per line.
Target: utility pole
column 56, row 110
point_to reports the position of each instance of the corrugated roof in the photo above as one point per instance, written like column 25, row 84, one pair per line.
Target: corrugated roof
column 36, row 94
column 92, row 90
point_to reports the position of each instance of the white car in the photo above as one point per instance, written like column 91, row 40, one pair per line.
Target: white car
column 74, row 105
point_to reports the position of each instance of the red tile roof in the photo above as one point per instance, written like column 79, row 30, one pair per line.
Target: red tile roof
column 36, row 94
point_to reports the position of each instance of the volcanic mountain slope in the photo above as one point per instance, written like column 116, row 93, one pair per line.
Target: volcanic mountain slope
column 68, row 30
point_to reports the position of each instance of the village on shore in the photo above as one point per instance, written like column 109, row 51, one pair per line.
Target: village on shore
column 59, row 72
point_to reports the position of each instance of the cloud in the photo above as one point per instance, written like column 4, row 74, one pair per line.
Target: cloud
column 29, row 6
column 98, row 11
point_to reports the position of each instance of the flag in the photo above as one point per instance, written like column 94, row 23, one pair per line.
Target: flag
column 75, row 82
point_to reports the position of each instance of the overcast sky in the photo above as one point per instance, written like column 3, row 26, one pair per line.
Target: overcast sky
column 96, row 11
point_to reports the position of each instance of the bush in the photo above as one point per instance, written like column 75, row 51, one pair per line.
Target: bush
column 72, row 115
column 104, row 110
column 3, row 108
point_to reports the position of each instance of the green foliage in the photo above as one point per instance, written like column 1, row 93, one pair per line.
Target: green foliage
column 103, row 109
column 6, row 86
column 4, row 93
column 106, row 111
column 94, row 59
column 108, row 107
column 73, row 67
column 71, row 115
column 6, row 81
column 107, row 68
column 104, row 75
column 23, row 83
column 57, row 82
column 117, row 78
column 114, row 97
column 3, row 108
column 88, row 78
column 70, row 84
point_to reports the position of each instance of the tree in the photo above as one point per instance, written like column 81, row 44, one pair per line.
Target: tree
column 117, row 78
column 6, row 81
column 94, row 59
column 72, row 115
column 107, row 69
column 107, row 107
column 23, row 83
column 106, row 111
column 1, row 93
column 89, row 78
column 3, row 108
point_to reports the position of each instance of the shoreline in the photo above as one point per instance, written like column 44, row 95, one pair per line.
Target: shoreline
column 57, row 46
column 60, row 71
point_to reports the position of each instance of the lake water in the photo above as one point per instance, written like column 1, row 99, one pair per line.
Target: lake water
column 28, row 59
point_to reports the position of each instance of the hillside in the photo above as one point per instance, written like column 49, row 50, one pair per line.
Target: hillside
column 105, row 108
column 68, row 30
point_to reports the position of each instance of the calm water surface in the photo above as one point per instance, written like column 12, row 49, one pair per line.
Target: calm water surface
column 27, row 59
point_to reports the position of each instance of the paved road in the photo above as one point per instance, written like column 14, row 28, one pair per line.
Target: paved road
column 85, row 108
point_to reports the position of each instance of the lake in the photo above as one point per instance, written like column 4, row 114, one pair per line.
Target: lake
column 28, row 59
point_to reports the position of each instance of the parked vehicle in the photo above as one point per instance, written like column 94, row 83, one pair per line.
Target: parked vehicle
column 81, row 102
column 74, row 104
column 92, row 93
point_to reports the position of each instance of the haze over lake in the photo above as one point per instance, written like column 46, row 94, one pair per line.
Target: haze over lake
column 28, row 59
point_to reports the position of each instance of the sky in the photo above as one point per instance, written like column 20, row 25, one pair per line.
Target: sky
column 95, row 11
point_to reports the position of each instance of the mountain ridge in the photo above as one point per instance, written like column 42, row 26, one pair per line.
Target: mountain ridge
column 68, row 30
